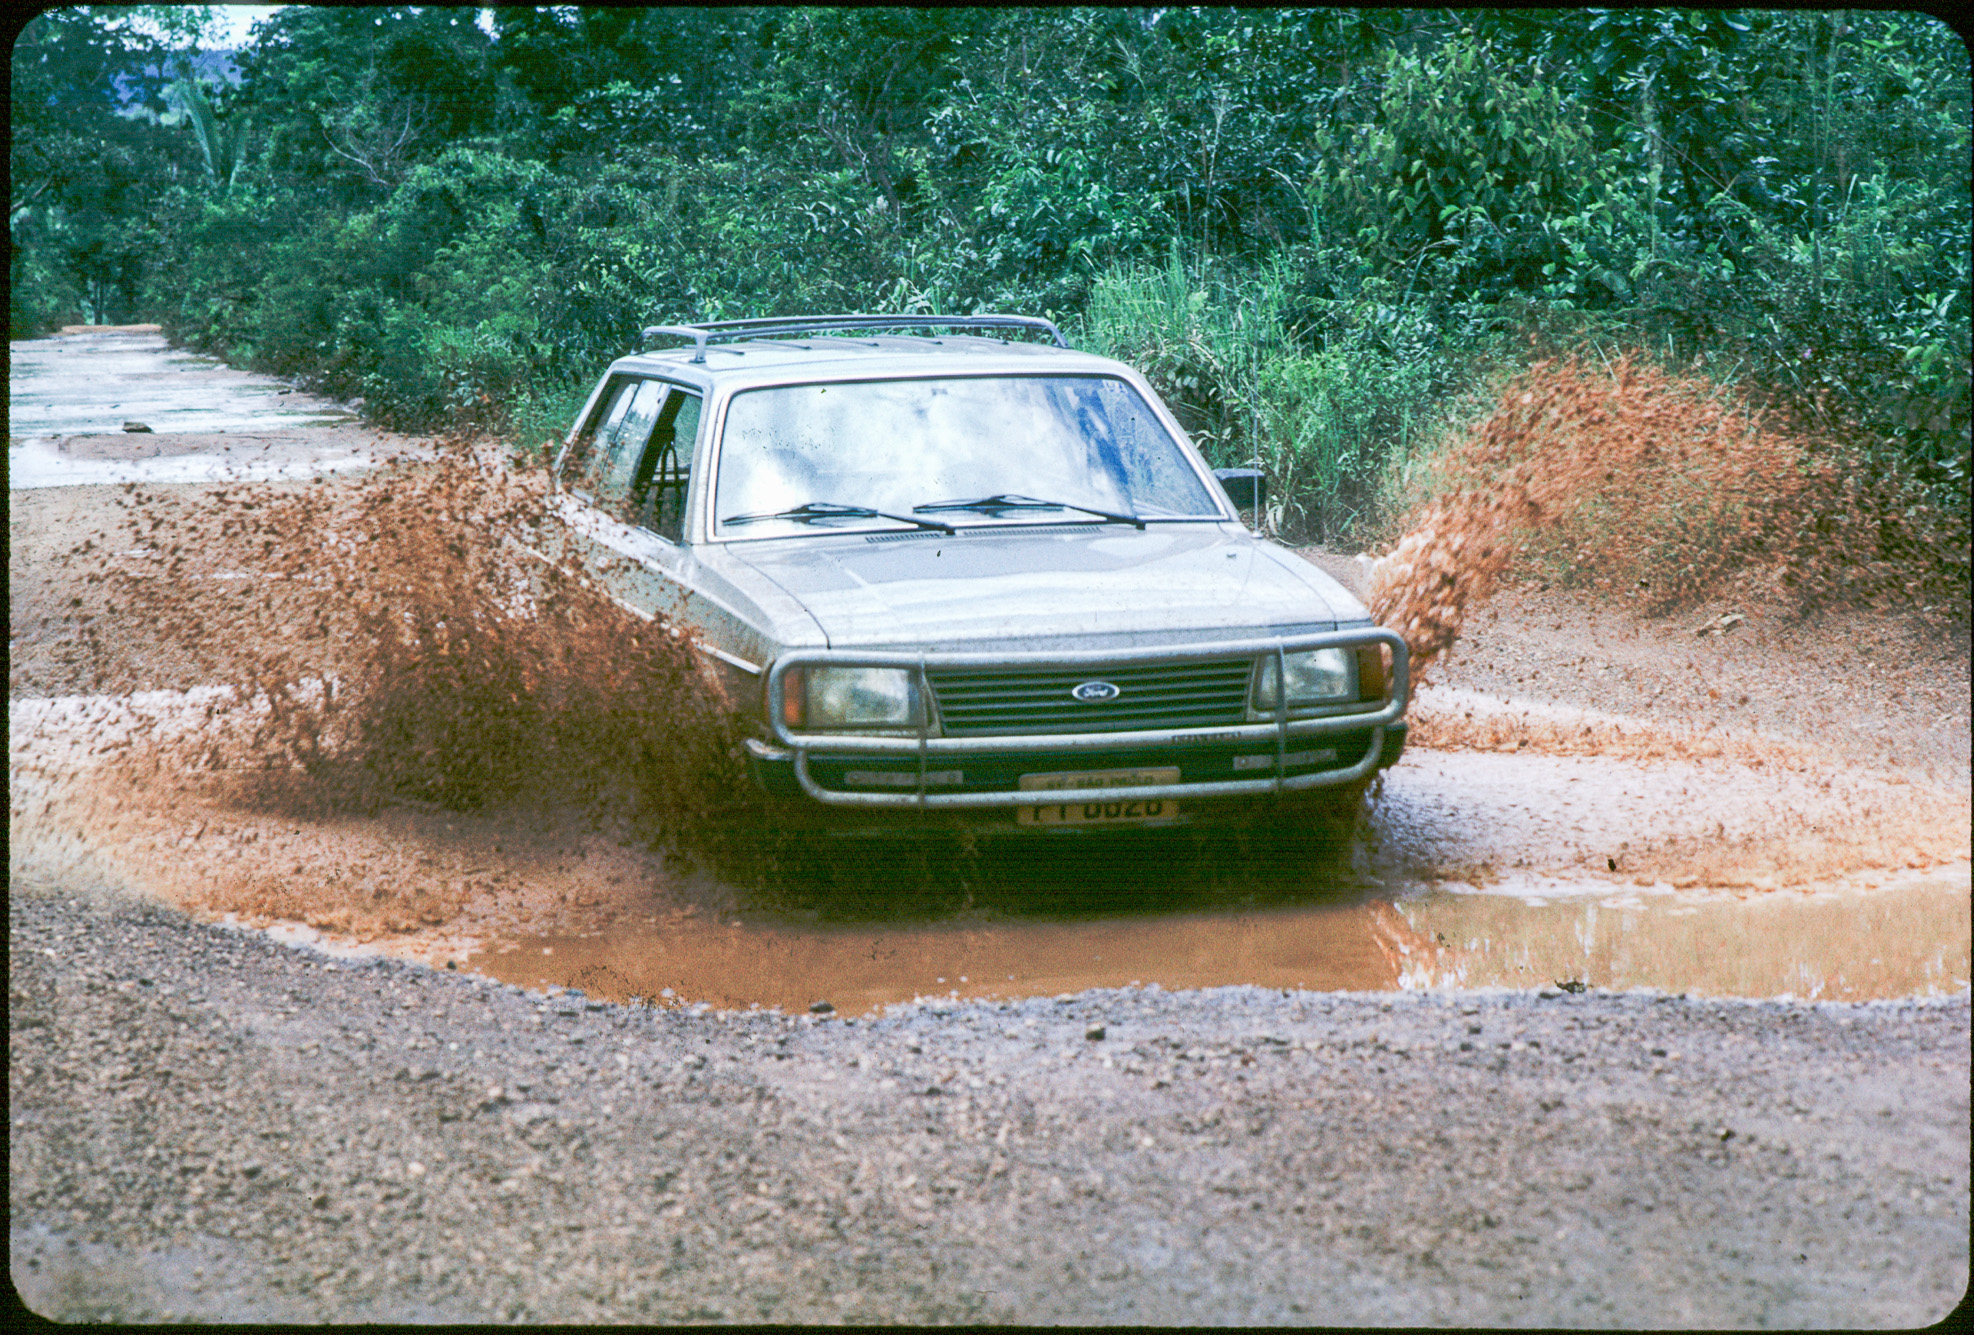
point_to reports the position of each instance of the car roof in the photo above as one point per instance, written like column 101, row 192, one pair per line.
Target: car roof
column 762, row 361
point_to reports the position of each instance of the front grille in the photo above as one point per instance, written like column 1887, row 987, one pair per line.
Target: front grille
column 1016, row 702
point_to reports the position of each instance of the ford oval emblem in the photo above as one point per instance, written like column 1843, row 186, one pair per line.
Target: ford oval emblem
column 1096, row 692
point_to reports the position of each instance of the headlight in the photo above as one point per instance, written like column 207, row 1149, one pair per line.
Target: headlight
column 1316, row 677
column 826, row 698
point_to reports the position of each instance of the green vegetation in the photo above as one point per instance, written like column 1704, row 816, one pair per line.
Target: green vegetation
column 1316, row 230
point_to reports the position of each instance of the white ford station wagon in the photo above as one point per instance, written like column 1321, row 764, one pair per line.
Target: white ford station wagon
column 951, row 568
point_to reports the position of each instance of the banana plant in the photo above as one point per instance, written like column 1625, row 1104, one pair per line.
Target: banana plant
column 224, row 149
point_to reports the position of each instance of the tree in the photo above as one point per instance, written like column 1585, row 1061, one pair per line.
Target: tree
column 85, row 171
column 355, row 97
column 1465, row 169
column 222, row 148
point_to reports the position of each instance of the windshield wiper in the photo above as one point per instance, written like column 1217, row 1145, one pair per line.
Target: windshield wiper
column 1005, row 501
column 831, row 510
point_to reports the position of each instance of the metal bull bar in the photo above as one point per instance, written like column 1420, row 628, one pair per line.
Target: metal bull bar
column 925, row 747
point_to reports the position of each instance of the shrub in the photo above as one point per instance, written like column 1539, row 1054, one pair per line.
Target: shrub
column 1317, row 391
column 1470, row 156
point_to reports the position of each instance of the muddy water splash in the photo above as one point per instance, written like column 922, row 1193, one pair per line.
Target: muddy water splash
column 1644, row 485
column 437, row 659
column 391, row 643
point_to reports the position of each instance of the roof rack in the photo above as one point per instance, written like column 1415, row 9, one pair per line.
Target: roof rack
column 780, row 326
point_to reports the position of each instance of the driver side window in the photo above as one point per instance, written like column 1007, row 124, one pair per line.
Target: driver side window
column 635, row 463
column 582, row 468
column 658, row 488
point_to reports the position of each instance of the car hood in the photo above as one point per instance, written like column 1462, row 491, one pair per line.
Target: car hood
column 1040, row 588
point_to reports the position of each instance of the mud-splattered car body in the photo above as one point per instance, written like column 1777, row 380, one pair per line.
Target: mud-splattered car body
column 952, row 572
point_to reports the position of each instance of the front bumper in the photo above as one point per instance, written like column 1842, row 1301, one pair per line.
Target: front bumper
column 982, row 774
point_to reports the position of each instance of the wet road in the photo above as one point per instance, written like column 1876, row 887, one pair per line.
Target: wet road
column 1474, row 870
column 1383, row 1120
column 1906, row 939
column 71, row 396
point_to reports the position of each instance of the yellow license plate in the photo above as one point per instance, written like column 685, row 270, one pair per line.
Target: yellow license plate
column 1069, row 811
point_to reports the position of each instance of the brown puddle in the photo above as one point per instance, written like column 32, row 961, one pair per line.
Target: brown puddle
column 1854, row 944
column 549, row 897
column 743, row 963
column 1908, row 938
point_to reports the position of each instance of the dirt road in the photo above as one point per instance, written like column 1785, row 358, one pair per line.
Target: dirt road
column 207, row 1125
column 1388, row 1118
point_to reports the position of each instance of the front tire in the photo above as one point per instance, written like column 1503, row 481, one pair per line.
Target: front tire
column 1306, row 840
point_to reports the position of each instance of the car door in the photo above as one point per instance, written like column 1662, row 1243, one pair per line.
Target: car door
column 627, row 479
column 630, row 469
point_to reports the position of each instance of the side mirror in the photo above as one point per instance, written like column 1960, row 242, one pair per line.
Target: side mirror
column 1247, row 488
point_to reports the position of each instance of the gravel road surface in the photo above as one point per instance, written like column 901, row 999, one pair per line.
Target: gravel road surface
column 208, row 1125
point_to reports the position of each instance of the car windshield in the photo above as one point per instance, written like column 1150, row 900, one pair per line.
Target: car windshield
column 815, row 458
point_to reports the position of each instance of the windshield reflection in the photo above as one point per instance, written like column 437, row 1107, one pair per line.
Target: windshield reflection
column 1086, row 441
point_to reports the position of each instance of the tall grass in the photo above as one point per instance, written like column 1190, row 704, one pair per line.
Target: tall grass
column 1321, row 393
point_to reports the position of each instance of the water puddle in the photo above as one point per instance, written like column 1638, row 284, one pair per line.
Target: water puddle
column 69, row 398
column 742, row 962
column 92, row 383
column 1477, row 871
column 1905, row 939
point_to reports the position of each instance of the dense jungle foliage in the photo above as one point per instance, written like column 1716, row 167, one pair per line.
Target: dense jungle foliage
column 1316, row 230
